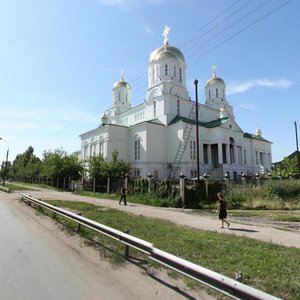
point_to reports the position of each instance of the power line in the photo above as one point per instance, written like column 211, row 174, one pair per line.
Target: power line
column 240, row 31
column 144, row 75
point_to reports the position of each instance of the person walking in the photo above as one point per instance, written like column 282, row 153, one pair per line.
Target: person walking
column 222, row 210
column 123, row 195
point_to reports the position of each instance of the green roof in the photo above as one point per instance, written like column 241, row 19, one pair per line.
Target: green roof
column 211, row 124
column 255, row 137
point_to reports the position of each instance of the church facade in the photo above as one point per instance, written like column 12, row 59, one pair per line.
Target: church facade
column 159, row 136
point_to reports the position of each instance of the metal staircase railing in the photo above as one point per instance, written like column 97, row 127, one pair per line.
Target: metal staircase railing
column 183, row 143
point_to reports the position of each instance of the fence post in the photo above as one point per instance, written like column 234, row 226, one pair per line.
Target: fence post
column 78, row 225
column 182, row 189
column 206, row 183
column 94, row 185
column 126, row 246
column 149, row 181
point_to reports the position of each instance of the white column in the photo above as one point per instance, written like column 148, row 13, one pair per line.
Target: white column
column 220, row 153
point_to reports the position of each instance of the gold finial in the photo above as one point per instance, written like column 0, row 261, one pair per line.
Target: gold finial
column 166, row 35
column 214, row 69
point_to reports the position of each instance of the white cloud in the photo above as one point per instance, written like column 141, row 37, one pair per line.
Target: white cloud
column 264, row 82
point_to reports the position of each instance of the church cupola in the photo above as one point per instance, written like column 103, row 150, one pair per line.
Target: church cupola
column 121, row 94
column 166, row 64
column 215, row 93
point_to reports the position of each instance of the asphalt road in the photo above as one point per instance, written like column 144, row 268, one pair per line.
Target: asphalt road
column 37, row 263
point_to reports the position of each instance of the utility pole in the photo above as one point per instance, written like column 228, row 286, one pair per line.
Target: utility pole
column 197, row 132
column 298, row 157
column 6, row 162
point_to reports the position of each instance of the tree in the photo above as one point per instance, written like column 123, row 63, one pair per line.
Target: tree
column 25, row 165
column 288, row 166
column 116, row 168
column 96, row 167
column 58, row 164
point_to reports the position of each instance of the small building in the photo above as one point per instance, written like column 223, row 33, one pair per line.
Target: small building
column 159, row 135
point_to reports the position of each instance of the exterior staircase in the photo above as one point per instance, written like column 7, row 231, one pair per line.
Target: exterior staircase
column 182, row 145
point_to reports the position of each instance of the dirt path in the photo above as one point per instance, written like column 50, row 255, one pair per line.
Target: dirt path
column 282, row 233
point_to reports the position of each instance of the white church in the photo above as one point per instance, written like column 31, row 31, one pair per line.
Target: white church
column 159, row 136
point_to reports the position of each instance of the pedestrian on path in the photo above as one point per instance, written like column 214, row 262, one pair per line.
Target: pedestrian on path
column 123, row 195
column 222, row 210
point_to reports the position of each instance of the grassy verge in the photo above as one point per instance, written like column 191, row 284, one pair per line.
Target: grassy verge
column 268, row 267
column 272, row 215
column 18, row 187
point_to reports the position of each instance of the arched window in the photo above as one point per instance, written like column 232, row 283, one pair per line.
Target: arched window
column 209, row 94
column 119, row 96
column 154, row 109
column 166, row 69
column 180, row 74
column 174, row 71
column 217, row 93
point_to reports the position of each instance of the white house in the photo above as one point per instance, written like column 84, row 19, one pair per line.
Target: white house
column 159, row 135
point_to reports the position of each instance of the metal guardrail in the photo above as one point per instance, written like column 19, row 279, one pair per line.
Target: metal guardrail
column 4, row 189
column 223, row 284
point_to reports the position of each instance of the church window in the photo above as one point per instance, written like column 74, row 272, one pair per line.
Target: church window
column 245, row 157
column 137, row 150
column 119, row 96
column 126, row 97
column 154, row 109
column 178, row 107
column 193, row 150
column 256, row 158
column 224, row 156
column 231, row 150
column 209, row 94
column 262, row 158
column 217, row 93
column 180, row 74
column 193, row 173
column 136, row 172
column 205, row 153
column 166, row 69
column 239, row 155
column 101, row 148
column 174, row 71
column 152, row 71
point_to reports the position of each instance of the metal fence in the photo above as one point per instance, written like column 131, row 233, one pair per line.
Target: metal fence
column 225, row 285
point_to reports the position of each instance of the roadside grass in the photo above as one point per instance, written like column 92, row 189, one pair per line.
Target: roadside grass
column 16, row 187
column 272, row 215
column 265, row 266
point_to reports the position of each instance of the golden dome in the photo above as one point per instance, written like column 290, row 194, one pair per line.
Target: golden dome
column 166, row 51
column 215, row 80
column 121, row 84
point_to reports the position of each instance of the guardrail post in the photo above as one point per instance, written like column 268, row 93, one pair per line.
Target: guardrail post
column 79, row 225
column 126, row 246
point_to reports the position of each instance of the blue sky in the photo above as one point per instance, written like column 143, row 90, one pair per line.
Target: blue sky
column 60, row 58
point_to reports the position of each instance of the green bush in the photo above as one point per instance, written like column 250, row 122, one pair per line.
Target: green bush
column 282, row 189
column 236, row 196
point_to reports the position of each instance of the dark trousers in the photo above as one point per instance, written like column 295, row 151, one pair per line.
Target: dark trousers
column 123, row 197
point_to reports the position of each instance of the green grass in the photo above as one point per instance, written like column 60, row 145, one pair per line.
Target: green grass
column 266, row 266
column 16, row 187
column 272, row 215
